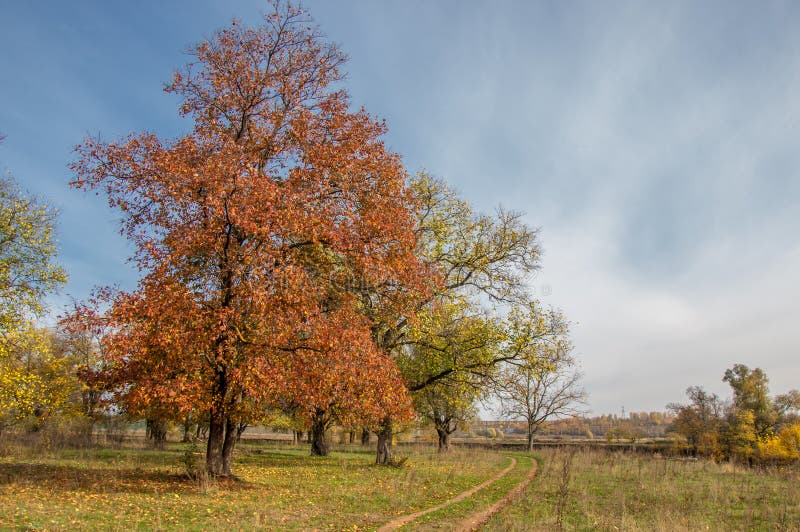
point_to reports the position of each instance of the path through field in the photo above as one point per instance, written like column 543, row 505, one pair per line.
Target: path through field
column 476, row 519
column 479, row 518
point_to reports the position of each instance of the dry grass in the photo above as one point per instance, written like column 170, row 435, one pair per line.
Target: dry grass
column 602, row 490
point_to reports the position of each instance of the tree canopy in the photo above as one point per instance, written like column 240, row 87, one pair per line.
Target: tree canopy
column 28, row 273
column 251, row 229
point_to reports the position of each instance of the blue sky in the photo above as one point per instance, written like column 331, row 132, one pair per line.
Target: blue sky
column 655, row 144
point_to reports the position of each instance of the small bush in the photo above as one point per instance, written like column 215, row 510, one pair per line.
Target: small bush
column 191, row 460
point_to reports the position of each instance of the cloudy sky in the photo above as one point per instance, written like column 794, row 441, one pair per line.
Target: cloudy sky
column 654, row 143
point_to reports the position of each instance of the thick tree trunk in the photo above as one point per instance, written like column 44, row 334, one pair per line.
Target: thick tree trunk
column 217, row 424
column 384, row 454
column 319, row 445
column 216, row 441
column 444, row 439
column 308, row 437
column 530, row 440
column 352, row 437
column 365, row 437
column 222, row 430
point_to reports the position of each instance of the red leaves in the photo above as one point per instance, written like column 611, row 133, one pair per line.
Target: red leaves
column 343, row 373
column 257, row 235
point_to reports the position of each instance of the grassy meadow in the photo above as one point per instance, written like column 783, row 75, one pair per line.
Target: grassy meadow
column 603, row 490
column 279, row 487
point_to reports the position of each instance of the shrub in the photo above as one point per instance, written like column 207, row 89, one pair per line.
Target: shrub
column 783, row 447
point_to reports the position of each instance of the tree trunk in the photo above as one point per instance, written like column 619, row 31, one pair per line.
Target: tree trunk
column 240, row 428
column 530, row 440
column 218, row 422
column 187, row 427
column 384, row 454
column 298, row 437
column 157, row 432
column 365, row 437
column 308, row 437
column 231, row 437
column 86, row 432
column 319, row 445
column 444, row 439
column 352, row 437
column 216, row 441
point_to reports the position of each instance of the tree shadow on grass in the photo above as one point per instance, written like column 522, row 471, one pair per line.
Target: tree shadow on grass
column 56, row 478
column 298, row 458
column 148, row 474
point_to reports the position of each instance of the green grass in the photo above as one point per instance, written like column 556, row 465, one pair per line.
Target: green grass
column 449, row 517
column 623, row 491
column 279, row 488
column 283, row 488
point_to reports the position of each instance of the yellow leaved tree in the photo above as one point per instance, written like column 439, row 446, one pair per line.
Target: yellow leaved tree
column 29, row 374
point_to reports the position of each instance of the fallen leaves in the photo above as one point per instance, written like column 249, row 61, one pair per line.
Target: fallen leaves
column 140, row 488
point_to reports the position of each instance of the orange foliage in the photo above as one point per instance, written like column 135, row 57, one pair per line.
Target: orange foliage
column 252, row 233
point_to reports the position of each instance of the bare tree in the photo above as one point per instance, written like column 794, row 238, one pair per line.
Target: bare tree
column 539, row 389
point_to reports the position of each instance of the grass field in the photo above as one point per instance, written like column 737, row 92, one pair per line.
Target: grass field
column 279, row 488
column 283, row 488
column 622, row 491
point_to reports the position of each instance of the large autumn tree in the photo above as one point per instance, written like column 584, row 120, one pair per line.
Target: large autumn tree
column 751, row 393
column 250, row 232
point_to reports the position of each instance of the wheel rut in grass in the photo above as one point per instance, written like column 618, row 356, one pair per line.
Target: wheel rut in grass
column 481, row 517
column 397, row 522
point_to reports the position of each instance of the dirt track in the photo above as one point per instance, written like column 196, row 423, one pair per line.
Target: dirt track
column 475, row 520
column 479, row 518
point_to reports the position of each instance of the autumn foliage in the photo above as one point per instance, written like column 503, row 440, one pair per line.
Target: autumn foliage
column 253, row 234
column 32, row 379
column 753, row 427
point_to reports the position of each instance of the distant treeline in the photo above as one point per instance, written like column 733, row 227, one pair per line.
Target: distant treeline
column 634, row 426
